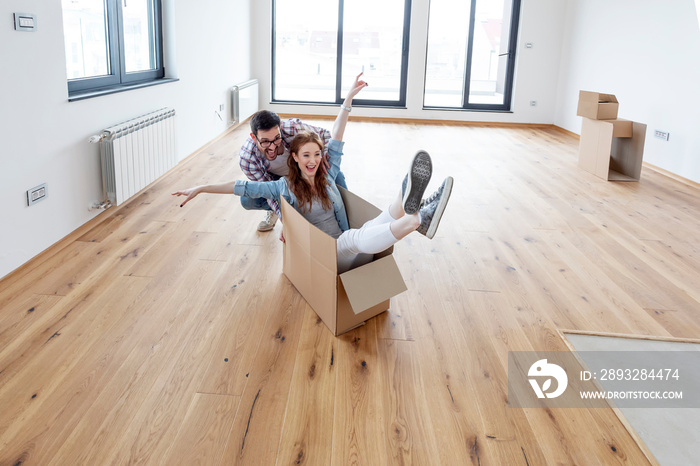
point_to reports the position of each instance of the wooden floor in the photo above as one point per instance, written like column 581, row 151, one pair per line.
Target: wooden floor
column 168, row 335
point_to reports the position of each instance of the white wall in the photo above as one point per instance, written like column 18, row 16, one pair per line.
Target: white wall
column 44, row 137
column 537, row 69
column 645, row 52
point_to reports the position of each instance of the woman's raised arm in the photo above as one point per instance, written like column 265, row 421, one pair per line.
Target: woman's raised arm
column 344, row 113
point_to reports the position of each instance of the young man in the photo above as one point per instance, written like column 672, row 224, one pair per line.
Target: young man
column 264, row 154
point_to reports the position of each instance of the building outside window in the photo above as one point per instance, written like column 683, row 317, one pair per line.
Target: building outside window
column 319, row 46
column 111, row 43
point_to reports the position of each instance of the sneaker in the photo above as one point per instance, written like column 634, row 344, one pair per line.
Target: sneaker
column 432, row 197
column 269, row 222
column 446, row 185
column 419, row 174
column 432, row 211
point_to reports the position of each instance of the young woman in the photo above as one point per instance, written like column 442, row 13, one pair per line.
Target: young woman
column 315, row 195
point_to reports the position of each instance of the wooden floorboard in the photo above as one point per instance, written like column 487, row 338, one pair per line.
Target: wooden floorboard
column 168, row 335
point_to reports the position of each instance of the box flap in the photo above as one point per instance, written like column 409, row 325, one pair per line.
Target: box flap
column 621, row 128
column 596, row 97
column 627, row 155
column 359, row 211
column 373, row 283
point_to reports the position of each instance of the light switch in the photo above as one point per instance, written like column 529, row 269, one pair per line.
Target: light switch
column 25, row 22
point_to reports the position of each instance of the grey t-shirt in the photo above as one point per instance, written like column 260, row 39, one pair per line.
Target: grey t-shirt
column 279, row 166
column 323, row 219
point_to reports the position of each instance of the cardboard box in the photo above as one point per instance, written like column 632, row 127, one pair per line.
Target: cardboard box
column 342, row 301
column 597, row 106
column 612, row 149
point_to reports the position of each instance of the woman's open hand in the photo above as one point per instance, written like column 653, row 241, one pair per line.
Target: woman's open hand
column 342, row 118
column 356, row 87
column 190, row 193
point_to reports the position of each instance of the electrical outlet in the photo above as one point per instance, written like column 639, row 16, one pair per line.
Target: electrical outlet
column 663, row 135
column 533, row 103
column 37, row 194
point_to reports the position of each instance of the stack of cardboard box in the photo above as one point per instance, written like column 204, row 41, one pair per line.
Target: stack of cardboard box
column 610, row 148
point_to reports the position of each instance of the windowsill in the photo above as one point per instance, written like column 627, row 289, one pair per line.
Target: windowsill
column 82, row 95
column 332, row 104
column 460, row 109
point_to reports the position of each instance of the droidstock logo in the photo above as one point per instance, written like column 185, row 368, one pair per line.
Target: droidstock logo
column 541, row 369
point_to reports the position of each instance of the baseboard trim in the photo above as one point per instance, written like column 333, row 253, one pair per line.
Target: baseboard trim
column 567, row 132
column 484, row 124
column 671, row 175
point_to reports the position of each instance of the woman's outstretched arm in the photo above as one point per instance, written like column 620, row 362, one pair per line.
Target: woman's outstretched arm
column 191, row 193
column 343, row 114
column 246, row 188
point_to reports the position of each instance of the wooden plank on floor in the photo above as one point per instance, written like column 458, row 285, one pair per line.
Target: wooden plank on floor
column 408, row 431
column 249, row 282
column 256, row 432
column 358, row 427
column 393, row 324
column 199, row 313
column 204, row 431
column 92, row 362
column 61, row 373
column 308, row 422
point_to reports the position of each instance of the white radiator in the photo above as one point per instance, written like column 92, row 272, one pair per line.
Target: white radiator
column 244, row 100
column 135, row 153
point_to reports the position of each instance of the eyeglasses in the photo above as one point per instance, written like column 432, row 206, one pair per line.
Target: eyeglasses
column 265, row 143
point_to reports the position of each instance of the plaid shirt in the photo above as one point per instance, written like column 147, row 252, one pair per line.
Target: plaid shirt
column 255, row 165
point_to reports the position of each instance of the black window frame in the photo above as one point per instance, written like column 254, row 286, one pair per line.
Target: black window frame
column 400, row 103
column 510, row 65
column 118, row 77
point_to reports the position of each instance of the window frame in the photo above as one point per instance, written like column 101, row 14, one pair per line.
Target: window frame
column 510, row 66
column 118, row 77
column 403, row 82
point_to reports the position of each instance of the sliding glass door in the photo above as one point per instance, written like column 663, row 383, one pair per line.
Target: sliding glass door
column 471, row 54
column 319, row 46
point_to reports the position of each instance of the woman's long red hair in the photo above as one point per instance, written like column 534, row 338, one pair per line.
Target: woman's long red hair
column 303, row 190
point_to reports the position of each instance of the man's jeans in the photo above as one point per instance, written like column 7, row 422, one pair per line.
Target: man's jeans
column 259, row 203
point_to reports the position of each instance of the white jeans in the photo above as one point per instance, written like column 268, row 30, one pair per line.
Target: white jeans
column 356, row 246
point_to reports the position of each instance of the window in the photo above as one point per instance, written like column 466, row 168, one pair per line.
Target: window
column 111, row 43
column 319, row 46
column 470, row 62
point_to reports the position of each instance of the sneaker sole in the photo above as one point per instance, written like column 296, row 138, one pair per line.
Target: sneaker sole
column 266, row 228
column 446, row 191
column 419, row 173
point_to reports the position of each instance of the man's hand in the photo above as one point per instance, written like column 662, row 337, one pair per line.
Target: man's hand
column 327, row 164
